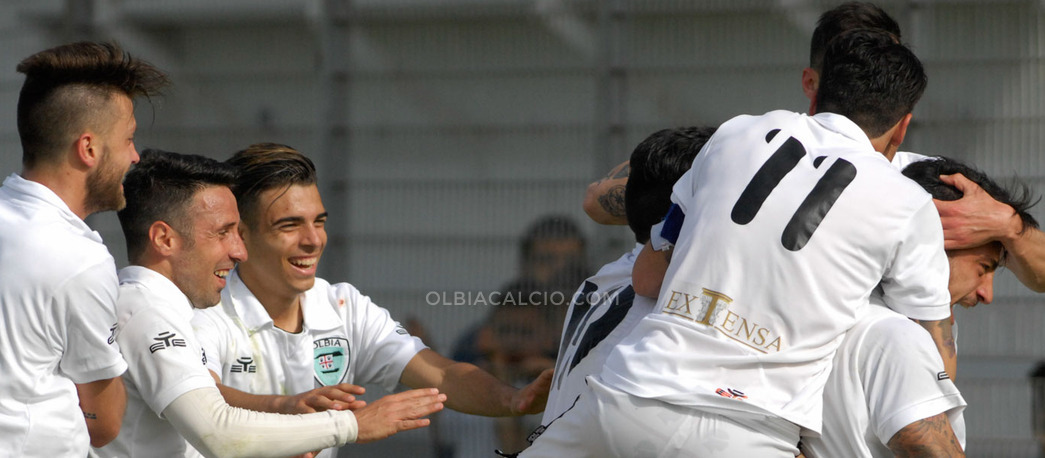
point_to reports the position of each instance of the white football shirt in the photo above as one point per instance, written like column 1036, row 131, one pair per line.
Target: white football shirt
column 601, row 313
column 346, row 338
column 57, row 318
column 887, row 374
column 791, row 222
column 165, row 359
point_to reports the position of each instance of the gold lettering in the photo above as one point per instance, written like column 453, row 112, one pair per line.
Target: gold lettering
column 731, row 318
column 671, row 300
column 762, row 333
column 747, row 330
column 774, row 343
column 715, row 297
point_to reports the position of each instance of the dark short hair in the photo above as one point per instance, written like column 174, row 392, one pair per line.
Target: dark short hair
column 927, row 174
column 64, row 88
column 265, row 166
column 161, row 188
column 845, row 17
column 549, row 227
column 656, row 164
column 871, row 79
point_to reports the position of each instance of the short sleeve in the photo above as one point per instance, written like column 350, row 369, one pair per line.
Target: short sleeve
column 904, row 378
column 88, row 301
column 213, row 336
column 915, row 284
column 386, row 347
column 164, row 357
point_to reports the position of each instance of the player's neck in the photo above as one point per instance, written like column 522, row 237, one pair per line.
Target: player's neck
column 283, row 306
column 68, row 184
column 290, row 318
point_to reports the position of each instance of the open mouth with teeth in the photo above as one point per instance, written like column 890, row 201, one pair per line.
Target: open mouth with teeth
column 303, row 263
column 221, row 273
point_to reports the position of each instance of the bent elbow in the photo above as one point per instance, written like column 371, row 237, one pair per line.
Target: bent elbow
column 103, row 433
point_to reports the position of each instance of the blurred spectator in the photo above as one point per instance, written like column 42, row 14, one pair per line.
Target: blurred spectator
column 1037, row 386
column 513, row 343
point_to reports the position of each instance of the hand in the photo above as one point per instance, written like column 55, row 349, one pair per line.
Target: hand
column 604, row 199
column 334, row 397
column 396, row 413
column 976, row 218
column 532, row 398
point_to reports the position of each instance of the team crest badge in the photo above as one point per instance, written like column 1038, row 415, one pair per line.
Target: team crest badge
column 331, row 360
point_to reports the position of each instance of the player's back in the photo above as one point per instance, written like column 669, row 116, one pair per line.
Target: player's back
column 790, row 223
column 45, row 252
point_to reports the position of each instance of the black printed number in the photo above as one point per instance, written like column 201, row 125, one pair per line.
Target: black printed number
column 816, row 204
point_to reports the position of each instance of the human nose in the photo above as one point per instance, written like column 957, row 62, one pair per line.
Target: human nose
column 237, row 250
column 986, row 289
column 313, row 236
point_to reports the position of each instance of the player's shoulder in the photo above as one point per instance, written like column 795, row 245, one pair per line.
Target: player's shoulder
column 743, row 123
column 340, row 296
column 888, row 328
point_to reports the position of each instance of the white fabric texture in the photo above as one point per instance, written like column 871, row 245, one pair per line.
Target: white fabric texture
column 602, row 311
column 759, row 292
column 57, row 317
column 345, row 338
column 610, row 423
column 216, row 429
column 887, row 374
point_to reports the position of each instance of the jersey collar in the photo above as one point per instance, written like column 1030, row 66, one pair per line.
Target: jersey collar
column 318, row 311
column 240, row 302
column 846, row 127
column 44, row 196
column 160, row 286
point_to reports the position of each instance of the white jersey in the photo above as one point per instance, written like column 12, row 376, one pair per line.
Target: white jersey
column 904, row 158
column 602, row 312
column 57, row 318
column 790, row 222
column 345, row 338
column 887, row 374
column 166, row 361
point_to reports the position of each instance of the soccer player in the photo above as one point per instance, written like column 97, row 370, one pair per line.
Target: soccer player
column 791, row 221
column 888, row 394
column 971, row 221
column 181, row 229
column 60, row 388
column 281, row 330
column 605, row 307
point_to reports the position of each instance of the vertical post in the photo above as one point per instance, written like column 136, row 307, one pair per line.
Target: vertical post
column 334, row 157
column 610, row 105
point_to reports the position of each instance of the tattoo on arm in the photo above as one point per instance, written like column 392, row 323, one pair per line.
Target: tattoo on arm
column 90, row 415
column 929, row 437
column 945, row 332
column 613, row 201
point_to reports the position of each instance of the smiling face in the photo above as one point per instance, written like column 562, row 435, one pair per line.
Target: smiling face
column 117, row 152
column 285, row 243
column 210, row 249
column 972, row 274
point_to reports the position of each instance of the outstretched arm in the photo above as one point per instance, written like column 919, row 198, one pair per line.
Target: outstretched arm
column 930, row 437
column 334, row 397
column 604, row 199
column 470, row 389
column 216, row 429
column 977, row 218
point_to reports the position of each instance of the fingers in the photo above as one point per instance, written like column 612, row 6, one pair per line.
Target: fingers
column 407, row 425
column 350, row 388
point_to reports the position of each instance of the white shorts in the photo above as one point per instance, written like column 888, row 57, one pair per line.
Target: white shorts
column 609, row 423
